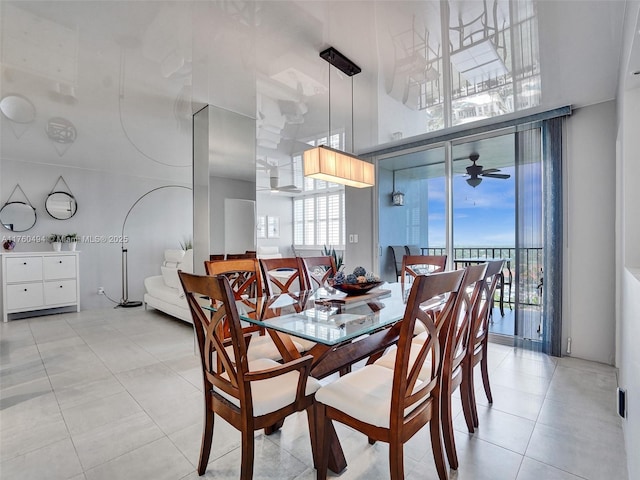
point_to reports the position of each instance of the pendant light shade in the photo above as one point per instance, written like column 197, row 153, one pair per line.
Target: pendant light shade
column 325, row 163
column 331, row 165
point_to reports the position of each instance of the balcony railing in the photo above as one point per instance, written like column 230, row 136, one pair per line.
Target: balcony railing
column 530, row 263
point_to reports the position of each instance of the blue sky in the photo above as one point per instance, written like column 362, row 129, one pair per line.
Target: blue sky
column 483, row 216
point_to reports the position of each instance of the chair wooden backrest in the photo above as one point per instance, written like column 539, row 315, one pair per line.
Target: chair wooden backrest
column 312, row 265
column 414, row 265
column 228, row 380
column 216, row 256
column 244, row 275
column 479, row 329
column 297, row 277
column 245, row 279
column 465, row 312
column 239, row 256
column 437, row 324
column 455, row 353
column 217, row 367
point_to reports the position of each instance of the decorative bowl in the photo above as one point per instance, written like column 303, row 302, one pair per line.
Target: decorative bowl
column 356, row 288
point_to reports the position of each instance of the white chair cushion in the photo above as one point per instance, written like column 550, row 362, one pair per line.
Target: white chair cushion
column 388, row 360
column 364, row 395
column 272, row 394
column 262, row 346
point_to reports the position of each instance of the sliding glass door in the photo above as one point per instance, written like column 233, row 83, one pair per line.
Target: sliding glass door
column 489, row 206
column 484, row 214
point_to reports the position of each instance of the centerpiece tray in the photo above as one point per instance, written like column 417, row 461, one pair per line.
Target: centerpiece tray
column 342, row 299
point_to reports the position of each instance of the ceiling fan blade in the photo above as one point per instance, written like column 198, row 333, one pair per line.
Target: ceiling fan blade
column 490, row 170
column 496, row 175
column 289, row 188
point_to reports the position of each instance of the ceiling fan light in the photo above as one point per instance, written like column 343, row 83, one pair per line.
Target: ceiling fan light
column 474, row 182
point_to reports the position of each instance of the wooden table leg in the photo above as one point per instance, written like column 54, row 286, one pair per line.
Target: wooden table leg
column 337, row 462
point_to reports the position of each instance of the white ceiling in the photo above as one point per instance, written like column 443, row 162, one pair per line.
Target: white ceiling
column 129, row 74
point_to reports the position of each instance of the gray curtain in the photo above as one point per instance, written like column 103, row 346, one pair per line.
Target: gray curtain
column 552, row 203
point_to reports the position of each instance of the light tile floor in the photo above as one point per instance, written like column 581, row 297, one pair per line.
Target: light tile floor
column 116, row 394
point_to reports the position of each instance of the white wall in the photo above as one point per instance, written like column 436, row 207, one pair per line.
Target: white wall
column 628, row 240
column 589, row 294
column 159, row 221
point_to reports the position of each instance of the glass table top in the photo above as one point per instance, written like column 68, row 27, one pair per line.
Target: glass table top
column 324, row 315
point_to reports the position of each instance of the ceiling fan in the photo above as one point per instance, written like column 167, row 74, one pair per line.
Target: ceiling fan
column 476, row 171
column 274, row 179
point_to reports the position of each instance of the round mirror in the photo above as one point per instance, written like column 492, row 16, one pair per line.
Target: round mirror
column 17, row 216
column 61, row 205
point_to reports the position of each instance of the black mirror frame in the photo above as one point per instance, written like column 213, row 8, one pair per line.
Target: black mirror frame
column 35, row 216
column 70, row 196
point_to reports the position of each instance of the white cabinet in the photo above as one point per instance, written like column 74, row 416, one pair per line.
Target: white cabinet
column 33, row 281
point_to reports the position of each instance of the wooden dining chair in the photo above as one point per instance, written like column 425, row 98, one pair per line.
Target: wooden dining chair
column 283, row 275
column 391, row 405
column 414, row 265
column 318, row 270
column 245, row 278
column 250, row 395
column 455, row 353
column 478, row 340
column 244, row 275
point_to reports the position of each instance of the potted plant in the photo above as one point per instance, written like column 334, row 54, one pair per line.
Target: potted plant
column 72, row 240
column 331, row 252
column 56, row 239
column 186, row 244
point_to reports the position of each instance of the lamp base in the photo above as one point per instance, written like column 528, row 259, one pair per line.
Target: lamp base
column 130, row 304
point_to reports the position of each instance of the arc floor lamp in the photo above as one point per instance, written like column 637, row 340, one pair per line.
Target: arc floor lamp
column 124, row 300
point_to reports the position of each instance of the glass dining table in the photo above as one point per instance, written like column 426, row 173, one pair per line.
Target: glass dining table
column 344, row 329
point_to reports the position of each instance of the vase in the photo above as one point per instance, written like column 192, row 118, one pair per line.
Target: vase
column 57, row 246
column 72, row 246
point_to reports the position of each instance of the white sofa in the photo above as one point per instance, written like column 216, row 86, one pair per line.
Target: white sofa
column 269, row 252
column 164, row 292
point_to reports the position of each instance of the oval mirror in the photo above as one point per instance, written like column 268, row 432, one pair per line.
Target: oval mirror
column 17, row 216
column 61, row 205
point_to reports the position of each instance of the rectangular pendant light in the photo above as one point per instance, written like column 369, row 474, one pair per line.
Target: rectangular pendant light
column 331, row 165
column 325, row 163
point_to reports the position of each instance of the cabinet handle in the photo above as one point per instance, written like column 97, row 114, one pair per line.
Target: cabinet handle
column 24, row 263
column 60, row 286
column 60, row 261
column 25, row 289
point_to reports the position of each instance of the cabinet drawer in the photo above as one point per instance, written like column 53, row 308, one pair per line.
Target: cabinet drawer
column 24, row 269
column 63, row 266
column 60, row 292
column 25, row 296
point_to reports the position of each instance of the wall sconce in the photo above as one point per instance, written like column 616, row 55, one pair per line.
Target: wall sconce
column 397, row 198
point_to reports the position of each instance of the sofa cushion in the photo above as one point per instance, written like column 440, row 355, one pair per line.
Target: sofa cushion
column 170, row 276
column 156, row 287
column 173, row 256
column 186, row 265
